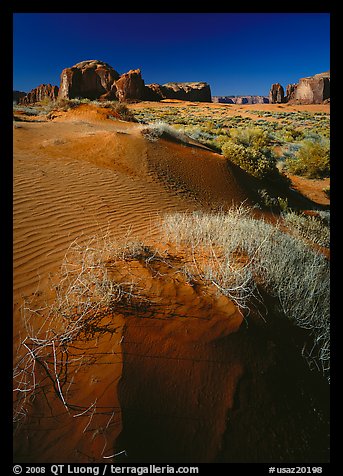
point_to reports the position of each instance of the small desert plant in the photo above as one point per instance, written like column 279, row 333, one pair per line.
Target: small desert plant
column 153, row 132
column 124, row 112
column 119, row 108
column 269, row 201
column 65, row 104
column 28, row 110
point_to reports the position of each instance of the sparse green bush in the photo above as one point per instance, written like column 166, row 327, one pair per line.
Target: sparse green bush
column 312, row 160
column 251, row 137
column 260, row 164
column 269, row 201
column 293, row 134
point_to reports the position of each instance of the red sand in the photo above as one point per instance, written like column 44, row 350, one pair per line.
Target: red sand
column 178, row 377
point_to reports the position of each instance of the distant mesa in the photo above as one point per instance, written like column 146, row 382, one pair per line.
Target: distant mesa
column 40, row 93
column 310, row 90
column 241, row 99
column 94, row 79
column 187, row 91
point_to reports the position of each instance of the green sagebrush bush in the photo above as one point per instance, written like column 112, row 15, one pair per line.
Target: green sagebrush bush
column 251, row 137
column 259, row 163
column 312, row 160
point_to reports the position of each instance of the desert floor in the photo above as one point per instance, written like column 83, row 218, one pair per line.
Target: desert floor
column 162, row 383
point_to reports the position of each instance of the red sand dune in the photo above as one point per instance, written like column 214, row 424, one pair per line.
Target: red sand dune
column 169, row 380
column 74, row 177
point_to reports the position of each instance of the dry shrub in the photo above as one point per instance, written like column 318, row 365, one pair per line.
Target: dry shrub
column 283, row 265
column 82, row 295
column 315, row 228
column 243, row 254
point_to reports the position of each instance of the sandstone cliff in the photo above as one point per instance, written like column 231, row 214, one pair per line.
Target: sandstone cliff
column 276, row 94
column 187, row 91
column 310, row 90
column 88, row 79
column 130, row 86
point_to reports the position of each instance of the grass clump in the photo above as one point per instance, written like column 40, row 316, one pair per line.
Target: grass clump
column 249, row 255
column 154, row 132
column 315, row 228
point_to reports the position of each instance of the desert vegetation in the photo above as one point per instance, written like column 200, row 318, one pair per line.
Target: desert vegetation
column 248, row 148
column 83, row 296
column 312, row 159
column 218, row 278
column 248, row 255
column 302, row 136
column 244, row 258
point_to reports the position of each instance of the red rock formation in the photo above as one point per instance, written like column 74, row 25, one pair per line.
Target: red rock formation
column 130, row 86
column 312, row 90
column 276, row 94
column 39, row 93
column 98, row 80
column 154, row 92
column 290, row 91
column 89, row 79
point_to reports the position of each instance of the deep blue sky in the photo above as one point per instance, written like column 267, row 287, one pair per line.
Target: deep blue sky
column 236, row 53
